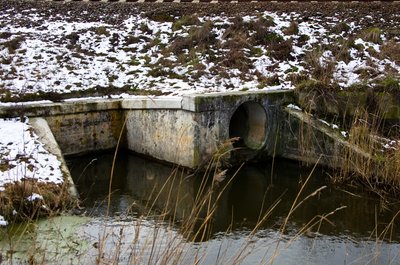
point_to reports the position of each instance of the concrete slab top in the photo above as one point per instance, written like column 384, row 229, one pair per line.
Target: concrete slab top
column 191, row 102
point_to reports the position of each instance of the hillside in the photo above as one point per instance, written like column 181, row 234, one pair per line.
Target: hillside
column 53, row 50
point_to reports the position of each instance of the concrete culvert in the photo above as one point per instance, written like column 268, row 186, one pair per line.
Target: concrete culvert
column 249, row 123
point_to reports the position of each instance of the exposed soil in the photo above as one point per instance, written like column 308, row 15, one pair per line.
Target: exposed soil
column 114, row 13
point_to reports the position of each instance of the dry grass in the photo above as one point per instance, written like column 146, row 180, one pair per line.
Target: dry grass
column 389, row 84
column 361, row 159
column 341, row 50
column 200, row 37
column 281, row 50
column 15, row 206
column 186, row 20
column 236, row 58
column 13, row 44
column 372, row 35
column 238, row 41
column 317, row 97
column 321, row 69
column 377, row 169
column 197, row 225
column 341, row 27
column 159, row 242
column 391, row 50
column 293, row 28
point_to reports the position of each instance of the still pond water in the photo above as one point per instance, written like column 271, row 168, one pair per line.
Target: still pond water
column 243, row 219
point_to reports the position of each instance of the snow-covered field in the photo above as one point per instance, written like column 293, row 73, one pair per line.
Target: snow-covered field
column 64, row 54
column 42, row 53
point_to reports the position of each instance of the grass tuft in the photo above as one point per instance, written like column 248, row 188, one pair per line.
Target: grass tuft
column 14, row 204
column 321, row 69
column 13, row 44
column 200, row 37
column 389, row 84
column 372, row 35
column 391, row 50
column 186, row 20
column 341, row 28
column 293, row 28
column 102, row 31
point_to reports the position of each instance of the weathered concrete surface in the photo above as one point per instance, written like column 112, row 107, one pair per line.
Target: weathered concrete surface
column 40, row 109
column 42, row 129
column 78, row 126
column 184, row 130
column 217, row 123
column 152, row 103
column 311, row 141
column 167, row 135
column 78, row 133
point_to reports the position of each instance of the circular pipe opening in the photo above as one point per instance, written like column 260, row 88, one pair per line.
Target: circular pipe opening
column 249, row 123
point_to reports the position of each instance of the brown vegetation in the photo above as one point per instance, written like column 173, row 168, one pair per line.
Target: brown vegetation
column 14, row 203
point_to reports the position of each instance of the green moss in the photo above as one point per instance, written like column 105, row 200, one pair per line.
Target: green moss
column 5, row 35
column 134, row 62
column 303, row 39
column 161, row 15
column 164, row 72
column 309, row 85
column 273, row 80
column 145, row 28
column 292, row 69
column 130, row 39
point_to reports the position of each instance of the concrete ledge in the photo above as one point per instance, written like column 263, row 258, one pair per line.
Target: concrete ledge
column 225, row 100
column 152, row 103
column 39, row 109
column 193, row 103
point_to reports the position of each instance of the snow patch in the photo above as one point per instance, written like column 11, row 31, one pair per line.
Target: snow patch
column 34, row 197
column 2, row 221
column 23, row 156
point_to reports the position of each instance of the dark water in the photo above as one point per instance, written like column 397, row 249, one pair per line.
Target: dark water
column 348, row 226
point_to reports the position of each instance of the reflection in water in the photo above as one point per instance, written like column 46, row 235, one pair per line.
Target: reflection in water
column 141, row 187
column 139, row 184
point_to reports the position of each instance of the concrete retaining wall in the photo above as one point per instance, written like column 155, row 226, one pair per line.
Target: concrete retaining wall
column 185, row 131
column 79, row 133
column 167, row 135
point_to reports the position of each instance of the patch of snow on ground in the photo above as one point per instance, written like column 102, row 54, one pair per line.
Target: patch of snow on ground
column 23, row 156
column 2, row 221
column 58, row 54
column 34, row 197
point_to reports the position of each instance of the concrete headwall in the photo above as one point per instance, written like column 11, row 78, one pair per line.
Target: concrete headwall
column 167, row 135
column 182, row 130
column 255, row 118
